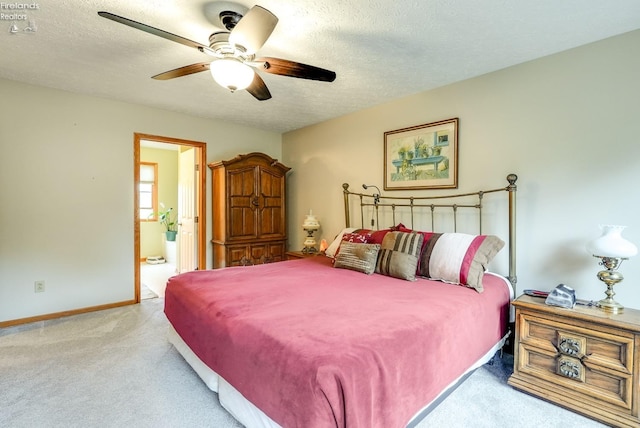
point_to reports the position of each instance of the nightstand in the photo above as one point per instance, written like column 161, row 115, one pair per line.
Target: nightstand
column 582, row 358
column 292, row 255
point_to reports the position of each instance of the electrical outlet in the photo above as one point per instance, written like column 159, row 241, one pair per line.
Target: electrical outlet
column 39, row 287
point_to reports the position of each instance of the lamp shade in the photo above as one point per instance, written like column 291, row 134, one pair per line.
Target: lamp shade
column 231, row 73
column 310, row 222
column 611, row 243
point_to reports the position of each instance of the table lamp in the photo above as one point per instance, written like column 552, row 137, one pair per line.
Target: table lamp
column 612, row 249
column 310, row 225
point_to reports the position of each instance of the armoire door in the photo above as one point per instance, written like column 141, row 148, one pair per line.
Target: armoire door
column 271, row 220
column 243, row 204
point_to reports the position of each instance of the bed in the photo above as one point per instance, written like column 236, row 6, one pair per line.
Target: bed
column 360, row 339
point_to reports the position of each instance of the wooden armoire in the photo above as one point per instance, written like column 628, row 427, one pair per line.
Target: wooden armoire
column 249, row 210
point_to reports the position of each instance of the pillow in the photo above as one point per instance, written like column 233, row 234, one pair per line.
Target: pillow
column 358, row 257
column 458, row 258
column 377, row 236
column 373, row 236
column 425, row 238
column 335, row 244
column 399, row 255
column 362, row 236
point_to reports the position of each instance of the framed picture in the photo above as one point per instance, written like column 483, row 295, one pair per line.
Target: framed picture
column 422, row 157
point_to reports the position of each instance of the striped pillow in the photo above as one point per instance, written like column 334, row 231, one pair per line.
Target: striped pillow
column 357, row 256
column 399, row 255
column 458, row 258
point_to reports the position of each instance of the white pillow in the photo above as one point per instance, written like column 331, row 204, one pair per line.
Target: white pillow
column 333, row 248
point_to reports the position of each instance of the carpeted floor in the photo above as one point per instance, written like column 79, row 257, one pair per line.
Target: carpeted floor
column 146, row 293
column 115, row 368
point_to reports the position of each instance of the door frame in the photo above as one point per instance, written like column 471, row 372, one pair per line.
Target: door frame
column 201, row 234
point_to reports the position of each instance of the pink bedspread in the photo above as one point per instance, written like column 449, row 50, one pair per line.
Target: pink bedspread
column 316, row 346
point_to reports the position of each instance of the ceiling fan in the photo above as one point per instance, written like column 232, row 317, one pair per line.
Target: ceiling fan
column 234, row 52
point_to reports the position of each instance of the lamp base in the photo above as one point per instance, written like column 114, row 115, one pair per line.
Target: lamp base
column 610, row 306
column 309, row 242
column 610, row 277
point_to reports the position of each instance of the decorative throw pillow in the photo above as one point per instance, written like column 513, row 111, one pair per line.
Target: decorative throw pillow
column 361, row 236
column 425, row 237
column 353, row 234
column 399, row 255
column 377, row 236
column 335, row 244
column 458, row 258
column 358, row 257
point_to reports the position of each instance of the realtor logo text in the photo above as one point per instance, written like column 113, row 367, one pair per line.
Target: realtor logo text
column 14, row 10
column 20, row 6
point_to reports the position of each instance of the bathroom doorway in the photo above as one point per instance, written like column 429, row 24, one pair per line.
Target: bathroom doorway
column 186, row 194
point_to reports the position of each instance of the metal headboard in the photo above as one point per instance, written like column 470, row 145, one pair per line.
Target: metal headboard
column 417, row 205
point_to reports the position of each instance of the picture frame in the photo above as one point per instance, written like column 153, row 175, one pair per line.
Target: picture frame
column 422, row 156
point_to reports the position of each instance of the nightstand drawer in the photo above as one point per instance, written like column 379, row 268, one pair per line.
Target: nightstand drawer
column 593, row 344
column 585, row 358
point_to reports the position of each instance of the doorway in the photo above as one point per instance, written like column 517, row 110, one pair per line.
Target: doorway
column 190, row 245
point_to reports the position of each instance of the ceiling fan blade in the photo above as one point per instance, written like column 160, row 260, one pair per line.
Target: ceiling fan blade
column 253, row 30
column 182, row 71
column 285, row 67
column 259, row 89
column 156, row 31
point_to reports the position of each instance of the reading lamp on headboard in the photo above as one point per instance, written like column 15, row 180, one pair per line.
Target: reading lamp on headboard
column 376, row 199
column 376, row 196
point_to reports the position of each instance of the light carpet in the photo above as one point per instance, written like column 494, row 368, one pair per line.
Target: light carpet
column 115, row 368
column 146, row 293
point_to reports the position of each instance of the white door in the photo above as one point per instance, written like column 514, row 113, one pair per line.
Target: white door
column 187, row 210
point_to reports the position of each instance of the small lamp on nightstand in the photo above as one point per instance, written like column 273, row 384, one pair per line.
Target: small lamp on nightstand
column 310, row 225
column 612, row 248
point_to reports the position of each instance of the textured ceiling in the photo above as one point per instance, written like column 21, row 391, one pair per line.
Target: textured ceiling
column 380, row 50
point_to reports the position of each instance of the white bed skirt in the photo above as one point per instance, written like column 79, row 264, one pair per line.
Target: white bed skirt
column 250, row 416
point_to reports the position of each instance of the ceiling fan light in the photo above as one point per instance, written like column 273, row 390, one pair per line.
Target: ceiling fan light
column 231, row 73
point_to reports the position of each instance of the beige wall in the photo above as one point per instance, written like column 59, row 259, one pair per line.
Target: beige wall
column 66, row 192
column 567, row 124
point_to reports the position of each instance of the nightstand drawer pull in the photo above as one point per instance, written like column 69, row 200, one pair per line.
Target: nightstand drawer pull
column 570, row 346
column 571, row 368
column 574, row 346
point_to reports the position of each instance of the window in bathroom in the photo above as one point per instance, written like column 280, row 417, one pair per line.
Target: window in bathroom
column 148, row 191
